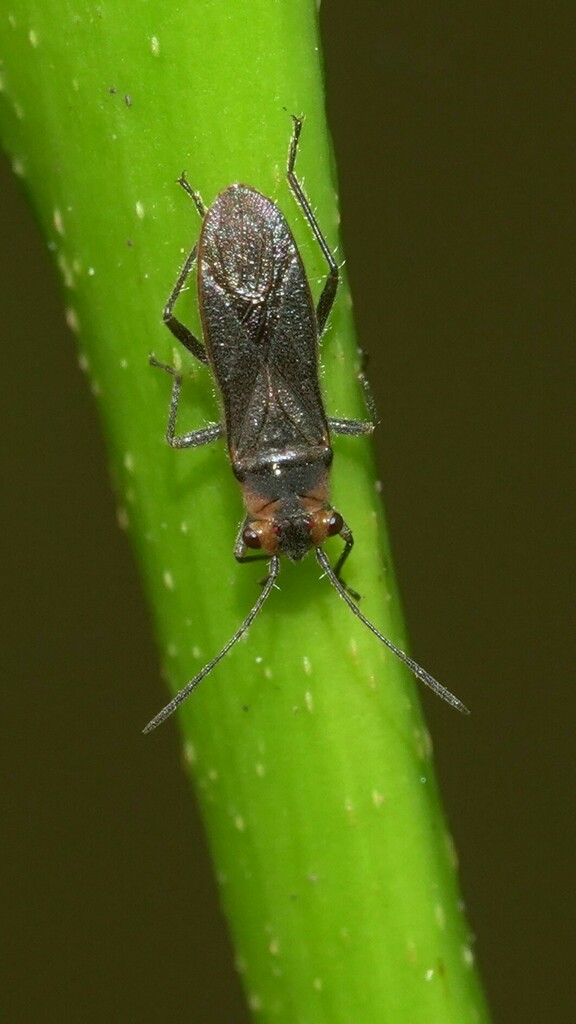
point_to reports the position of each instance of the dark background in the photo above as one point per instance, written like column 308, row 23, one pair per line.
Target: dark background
column 454, row 128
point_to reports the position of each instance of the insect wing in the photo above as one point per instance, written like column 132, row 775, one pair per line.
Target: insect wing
column 259, row 325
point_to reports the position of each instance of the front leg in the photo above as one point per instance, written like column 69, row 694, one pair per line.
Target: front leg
column 346, row 534
column 240, row 549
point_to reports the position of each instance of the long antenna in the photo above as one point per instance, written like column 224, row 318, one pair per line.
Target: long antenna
column 273, row 570
column 419, row 672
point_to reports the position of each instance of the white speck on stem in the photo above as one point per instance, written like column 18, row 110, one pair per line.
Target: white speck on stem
column 440, row 916
column 139, row 210
column 33, row 37
column 468, row 956
column 155, row 46
column 168, row 579
column 307, row 665
column 83, row 362
column 122, row 517
column 452, row 851
column 57, row 219
column 72, row 320
column 309, row 701
column 66, row 271
column 239, row 823
column 189, row 753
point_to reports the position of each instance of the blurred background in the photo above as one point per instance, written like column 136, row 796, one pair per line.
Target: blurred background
column 454, row 130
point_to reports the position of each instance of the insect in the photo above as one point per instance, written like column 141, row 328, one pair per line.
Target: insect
column 260, row 339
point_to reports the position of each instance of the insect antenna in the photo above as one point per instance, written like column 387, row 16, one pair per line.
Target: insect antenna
column 273, row 570
column 419, row 672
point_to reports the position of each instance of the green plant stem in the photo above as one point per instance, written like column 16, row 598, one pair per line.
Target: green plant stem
column 306, row 745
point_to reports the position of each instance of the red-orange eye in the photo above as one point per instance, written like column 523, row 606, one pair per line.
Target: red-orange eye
column 251, row 538
column 335, row 524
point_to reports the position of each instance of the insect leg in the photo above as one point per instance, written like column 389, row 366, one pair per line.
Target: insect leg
column 182, row 333
column 194, row 196
column 351, row 427
column 369, row 400
column 240, row 549
column 347, row 537
column 328, row 294
column 242, row 559
column 196, row 437
column 357, row 427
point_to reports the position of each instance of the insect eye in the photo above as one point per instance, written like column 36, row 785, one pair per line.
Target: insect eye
column 251, row 538
column 335, row 524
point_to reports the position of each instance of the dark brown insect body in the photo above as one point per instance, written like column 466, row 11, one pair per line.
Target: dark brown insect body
column 260, row 338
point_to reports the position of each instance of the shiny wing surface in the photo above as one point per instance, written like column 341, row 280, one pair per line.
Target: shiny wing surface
column 259, row 325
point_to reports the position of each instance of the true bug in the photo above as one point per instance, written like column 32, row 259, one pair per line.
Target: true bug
column 260, row 339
